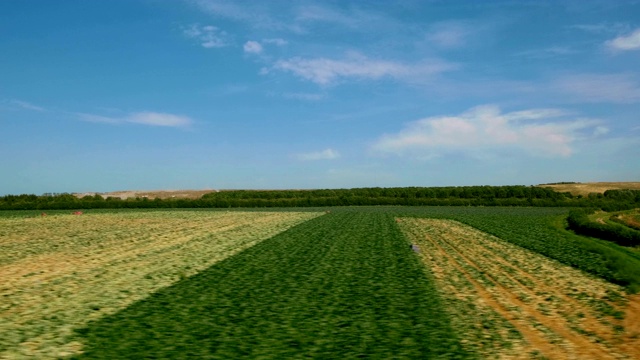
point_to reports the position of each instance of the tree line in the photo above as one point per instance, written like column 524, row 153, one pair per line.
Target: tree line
column 515, row 195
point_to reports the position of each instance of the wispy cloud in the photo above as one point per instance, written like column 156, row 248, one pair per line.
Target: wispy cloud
column 209, row 36
column 602, row 28
column 546, row 53
column 304, row 96
column 98, row 118
column 275, row 41
column 327, row 154
column 298, row 17
column 626, row 42
column 255, row 14
column 536, row 131
column 26, row 105
column 159, row 119
column 144, row 118
column 324, row 71
column 614, row 88
column 451, row 34
column 316, row 12
column 354, row 17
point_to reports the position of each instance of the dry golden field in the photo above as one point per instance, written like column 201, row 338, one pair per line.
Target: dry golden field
column 515, row 304
column 593, row 187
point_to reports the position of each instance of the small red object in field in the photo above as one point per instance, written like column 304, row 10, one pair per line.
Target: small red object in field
column 43, row 214
column 77, row 213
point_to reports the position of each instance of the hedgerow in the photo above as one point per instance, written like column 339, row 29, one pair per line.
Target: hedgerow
column 578, row 221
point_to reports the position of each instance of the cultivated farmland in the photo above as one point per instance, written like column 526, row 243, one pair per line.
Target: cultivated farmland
column 60, row 272
column 340, row 286
column 513, row 303
column 344, row 283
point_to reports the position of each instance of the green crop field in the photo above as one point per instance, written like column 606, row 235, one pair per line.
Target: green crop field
column 352, row 282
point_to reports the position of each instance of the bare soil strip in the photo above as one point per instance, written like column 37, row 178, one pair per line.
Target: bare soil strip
column 59, row 272
column 515, row 304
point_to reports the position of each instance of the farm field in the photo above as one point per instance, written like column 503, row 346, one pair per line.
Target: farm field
column 542, row 231
column 343, row 283
column 59, row 272
column 343, row 286
column 585, row 189
column 512, row 303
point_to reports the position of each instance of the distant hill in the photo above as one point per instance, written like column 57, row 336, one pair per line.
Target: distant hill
column 150, row 194
column 591, row 187
column 575, row 189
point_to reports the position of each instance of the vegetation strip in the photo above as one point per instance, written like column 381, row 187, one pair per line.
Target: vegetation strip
column 580, row 222
column 60, row 272
column 514, row 303
column 340, row 286
column 517, row 195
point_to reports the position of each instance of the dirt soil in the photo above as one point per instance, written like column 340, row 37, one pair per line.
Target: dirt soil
column 592, row 187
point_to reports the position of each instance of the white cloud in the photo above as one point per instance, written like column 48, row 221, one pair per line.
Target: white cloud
column 144, row 118
column 208, row 36
column 615, row 88
column 485, row 128
column 327, row 154
column 626, row 42
column 325, row 71
column 252, row 47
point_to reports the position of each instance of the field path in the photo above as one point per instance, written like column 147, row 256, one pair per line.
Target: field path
column 517, row 304
column 57, row 273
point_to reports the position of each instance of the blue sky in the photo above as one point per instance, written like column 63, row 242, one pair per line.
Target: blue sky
column 208, row 94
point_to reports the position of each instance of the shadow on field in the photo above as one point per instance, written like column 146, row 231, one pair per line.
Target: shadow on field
column 344, row 285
